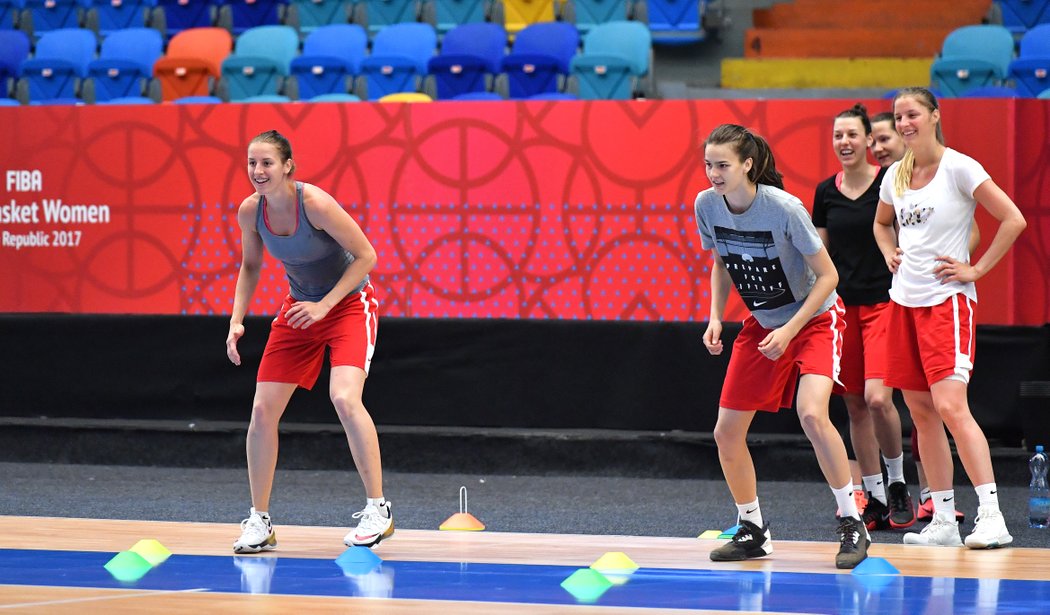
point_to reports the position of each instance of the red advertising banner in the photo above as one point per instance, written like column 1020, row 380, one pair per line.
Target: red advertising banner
column 572, row 210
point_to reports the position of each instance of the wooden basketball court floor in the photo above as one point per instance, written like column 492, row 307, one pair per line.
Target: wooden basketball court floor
column 56, row 565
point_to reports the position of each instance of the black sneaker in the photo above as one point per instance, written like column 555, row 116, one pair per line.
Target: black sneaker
column 853, row 542
column 876, row 515
column 902, row 511
column 749, row 542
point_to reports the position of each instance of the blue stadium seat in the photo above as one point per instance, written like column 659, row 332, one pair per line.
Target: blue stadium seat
column 312, row 14
column 992, row 91
column 540, row 56
column 62, row 56
column 262, row 57
column 1030, row 72
column 242, row 15
column 589, row 13
column 125, row 64
column 128, row 100
column 1022, row 15
column 14, row 49
column 335, row 98
column 330, row 60
column 11, row 13
column 197, row 100
column 378, row 14
column 972, row 57
column 47, row 15
column 470, row 55
column 615, row 57
column 478, row 96
column 9, row 102
column 450, row 13
column 179, row 15
column 400, row 53
column 1044, row 95
column 112, row 15
column 675, row 22
column 265, row 98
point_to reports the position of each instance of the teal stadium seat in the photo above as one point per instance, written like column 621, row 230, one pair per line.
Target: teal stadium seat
column 261, row 59
column 379, row 14
column 972, row 57
column 616, row 56
column 588, row 13
column 447, row 14
column 312, row 14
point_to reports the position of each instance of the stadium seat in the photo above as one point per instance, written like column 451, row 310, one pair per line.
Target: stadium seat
column 378, row 14
column 45, row 15
column 447, row 14
column 470, row 56
column 9, row 102
column 517, row 14
column 615, row 57
column 11, row 13
column 14, row 49
column 335, row 98
column 405, row 97
column 588, row 13
column 54, row 73
column 174, row 16
column 309, row 15
column 197, row 100
column 1022, row 15
column 264, row 98
column 540, row 56
column 243, row 15
column 673, row 22
column 1044, row 95
column 992, row 91
column 331, row 58
column 400, row 53
column 125, row 64
column 262, row 57
column 972, row 57
column 111, row 15
column 193, row 62
column 1030, row 72
column 478, row 96
column 128, row 100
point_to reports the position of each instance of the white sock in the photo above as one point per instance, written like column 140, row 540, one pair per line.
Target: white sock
column 944, row 502
column 844, row 499
column 987, row 495
column 378, row 503
column 924, row 495
column 875, row 486
column 894, row 468
column 750, row 512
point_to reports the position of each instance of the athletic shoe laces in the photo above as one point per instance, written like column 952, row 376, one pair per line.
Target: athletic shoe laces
column 372, row 522
column 849, row 533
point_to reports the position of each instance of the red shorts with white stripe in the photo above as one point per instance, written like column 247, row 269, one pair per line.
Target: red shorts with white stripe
column 943, row 349
column 753, row 382
column 864, row 345
column 349, row 330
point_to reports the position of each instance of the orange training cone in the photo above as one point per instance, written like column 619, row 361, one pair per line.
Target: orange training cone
column 463, row 520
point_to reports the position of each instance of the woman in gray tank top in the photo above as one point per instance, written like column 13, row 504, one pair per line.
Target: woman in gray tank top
column 331, row 305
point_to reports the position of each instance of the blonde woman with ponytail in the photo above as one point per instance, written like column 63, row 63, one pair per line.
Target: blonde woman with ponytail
column 762, row 241
column 932, row 194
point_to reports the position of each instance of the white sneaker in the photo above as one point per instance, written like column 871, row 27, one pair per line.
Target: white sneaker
column 989, row 529
column 376, row 523
column 256, row 535
column 942, row 531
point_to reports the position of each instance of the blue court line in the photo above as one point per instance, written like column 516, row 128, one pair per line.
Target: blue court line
column 540, row 584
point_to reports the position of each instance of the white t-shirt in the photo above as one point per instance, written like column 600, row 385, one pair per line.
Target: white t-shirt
column 934, row 221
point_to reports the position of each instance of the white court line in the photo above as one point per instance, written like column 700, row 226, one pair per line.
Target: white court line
column 98, row 598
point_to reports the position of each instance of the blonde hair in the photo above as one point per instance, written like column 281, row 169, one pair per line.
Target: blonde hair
column 902, row 180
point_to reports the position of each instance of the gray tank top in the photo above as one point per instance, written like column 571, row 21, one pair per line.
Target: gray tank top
column 313, row 260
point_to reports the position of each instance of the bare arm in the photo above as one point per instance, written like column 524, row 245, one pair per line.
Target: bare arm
column 326, row 214
column 776, row 342
column 1011, row 224
column 720, row 284
column 886, row 235
column 247, row 277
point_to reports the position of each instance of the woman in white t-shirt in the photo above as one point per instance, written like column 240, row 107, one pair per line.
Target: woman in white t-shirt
column 933, row 193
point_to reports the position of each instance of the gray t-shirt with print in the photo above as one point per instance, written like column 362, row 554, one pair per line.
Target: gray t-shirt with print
column 763, row 251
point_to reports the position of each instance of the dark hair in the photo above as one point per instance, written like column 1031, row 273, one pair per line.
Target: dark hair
column 885, row 116
column 276, row 139
column 860, row 112
column 747, row 144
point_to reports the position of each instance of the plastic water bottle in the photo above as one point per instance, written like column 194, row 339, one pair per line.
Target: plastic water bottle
column 1039, row 491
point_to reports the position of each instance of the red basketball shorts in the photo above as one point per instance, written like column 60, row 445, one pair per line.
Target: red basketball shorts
column 931, row 343
column 348, row 331
column 753, row 382
column 864, row 345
